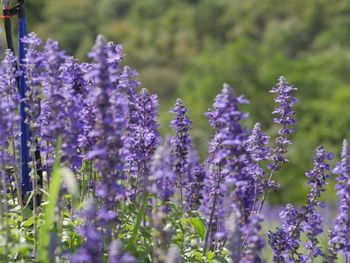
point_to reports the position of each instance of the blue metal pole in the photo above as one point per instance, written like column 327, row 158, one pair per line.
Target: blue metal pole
column 22, row 32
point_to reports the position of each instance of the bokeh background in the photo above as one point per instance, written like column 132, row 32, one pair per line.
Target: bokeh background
column 188, row 48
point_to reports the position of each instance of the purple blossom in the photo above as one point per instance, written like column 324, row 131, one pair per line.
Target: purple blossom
column 339, row 234
column 162, row 174
column 74, row 89
column 92, row 249
column 53, row 112
column 142, row 138
column 180, row 145
column 257, row 144
column 87, row 113
column 227, row 157
column 313, row 221
column 194, row 187
column 32, row 74
column 111, row 109
column 285, row 241
column 258, row 152
column 9, row 101
column 285, row 119
column 117, row 255
column 254, row 242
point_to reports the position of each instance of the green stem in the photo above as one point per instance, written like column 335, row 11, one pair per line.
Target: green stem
column 138, row 222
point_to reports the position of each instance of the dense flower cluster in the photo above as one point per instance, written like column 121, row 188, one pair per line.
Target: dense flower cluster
column 285, row 241
column 339, row 235
column 181, row 146
column 285, row 119
column 9, row 120
column 133, row 197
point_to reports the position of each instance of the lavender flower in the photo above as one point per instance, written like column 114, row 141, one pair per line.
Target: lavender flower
column 9, row 101
column 109, row 126
column 116, row 254
column 142, row 138
column 74, row 89
column 87, row 113
column 258, row 152
column 181, row 125
column 285, row 119
column 254, row 242
column 285, row 241
column 257, row 144
column 92, row 249
column 313, row 221
column 339, row 234
column 225, row 162
column 53, row 112
column 32, row 74
column 163, row 176
column 194, row 187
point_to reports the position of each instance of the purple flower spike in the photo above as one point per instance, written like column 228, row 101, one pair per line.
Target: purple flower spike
column 117, row 255
column 194, row 187
column 74, row 91
column 92, row 248
column 53, row 111
column 313, row 221
column 285, row 119
column 285, row 241
column 339, row 234
column 163, row 176
column 111, row 110
column 254, row 243
column 181, row 142
column 9, row 101
column 257, row 144
column 227, row 157
column 142, row 138
column 32, row 74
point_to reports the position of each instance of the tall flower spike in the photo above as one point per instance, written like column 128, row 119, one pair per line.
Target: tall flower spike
column 9, row 101
column 180, row 142
column 53, row 111
column 313, row 221
column 285, row 119
column 254, row 243
column 33, row 72
column 162, row 174
column 259, row 152
column 285, row 241
column 142, row 138
column 225, row 160
column 339, row 234
column 111, row 111
column 74, row 88
column 194, row 187
column 87, row 113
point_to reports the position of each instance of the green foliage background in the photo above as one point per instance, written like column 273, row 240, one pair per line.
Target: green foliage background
column 188, row 48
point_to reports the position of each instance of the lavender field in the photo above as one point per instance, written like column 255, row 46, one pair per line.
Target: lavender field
column 109, row 188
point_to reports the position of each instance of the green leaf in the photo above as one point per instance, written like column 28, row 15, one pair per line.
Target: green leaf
column 28, row 222
column 198, row 225
column 131, row 244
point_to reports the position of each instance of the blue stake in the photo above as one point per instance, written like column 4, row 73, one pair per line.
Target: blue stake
column 22, row 32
